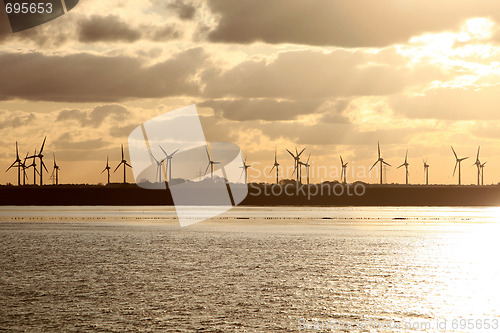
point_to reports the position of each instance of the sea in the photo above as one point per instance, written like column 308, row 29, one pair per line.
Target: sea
column 252, row 269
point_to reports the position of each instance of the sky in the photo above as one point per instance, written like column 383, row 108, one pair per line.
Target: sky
column 332, row 76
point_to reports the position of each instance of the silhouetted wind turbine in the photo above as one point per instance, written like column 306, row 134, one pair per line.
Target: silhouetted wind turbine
column 245, row 170
column 107, row 168
column 42, row 165
column 405, row 164
column 307, row 165
column 276, row 165
column 296, row 157
column 210, row 165
column 17, row 164
column 35, row 170
column 482, row 173
column 478, row 165
column 24, row 166
column 343, row 176
column 125, row 165
column 426, row 172
column 459, row 163
column 55, row 170
column 169, row 162
column 381, row 161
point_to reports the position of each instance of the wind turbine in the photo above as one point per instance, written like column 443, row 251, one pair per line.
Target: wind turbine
column 296, row 157
column 42, row 165
column 478, row 165
column 381, row 161
column 426, row 172
column 35, row 170
column 169, row 162
column 55, row 170
column 482, row 173
column 307, row 165
column 343, row 176
column 107, row 168
column 245, row 168
column 210, row 165
column 17, row 164
column 125, row 165
column 405, row 164
column 276, row 165
column 24, row 166
column 459, row 163
column 159, row 165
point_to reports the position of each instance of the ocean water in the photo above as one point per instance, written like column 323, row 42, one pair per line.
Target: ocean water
column 133, row 269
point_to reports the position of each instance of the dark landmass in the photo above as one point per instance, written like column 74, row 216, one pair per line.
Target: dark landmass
column 326, row 194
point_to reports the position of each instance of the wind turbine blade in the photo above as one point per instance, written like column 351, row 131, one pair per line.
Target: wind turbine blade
column 341, row 160
column 478, row 148
column 208, row 155
column 400, row 166
column 10, row 166
column 174, row 153
column 378, row 145
column 43, row 144
column 290, row 153
column 275, row 157
column 118, row 166
column 307, row 162
column 406, row 156
column 242, row 170
column 373, row 166
column 294, row 169
column 103, row 170
column 123, row 155
column 163, row 150
column 272, row 169
column 154, row 158
column 43, row 165
column 301, row 152
column 17, row 151
column 454, row 153
column 128, row 165
column 455, row 169
column 208, row 167
column 386, row 163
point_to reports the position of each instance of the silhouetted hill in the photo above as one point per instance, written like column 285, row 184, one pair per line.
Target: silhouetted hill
column 326, row 194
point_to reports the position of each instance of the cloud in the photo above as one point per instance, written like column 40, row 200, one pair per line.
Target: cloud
column 90, row 78
column 261, row 109
column 353, row 23
column 185, row 11
column 312, row 74
column 450, row 103
column 96, row 116
column 67, row 141
column 106, row 29
column 15, row 119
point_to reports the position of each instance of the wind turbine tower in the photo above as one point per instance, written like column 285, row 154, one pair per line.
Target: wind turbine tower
column 459, row 163
column 405, row 164
column 382, row 163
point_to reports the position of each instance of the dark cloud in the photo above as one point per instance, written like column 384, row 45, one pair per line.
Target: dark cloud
column 122, row 131
column 95, row 117
column 106, row 29
column 261, row 109
column 185, row 11
column 353, row 23
column 91, row 78
column 315, row 75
